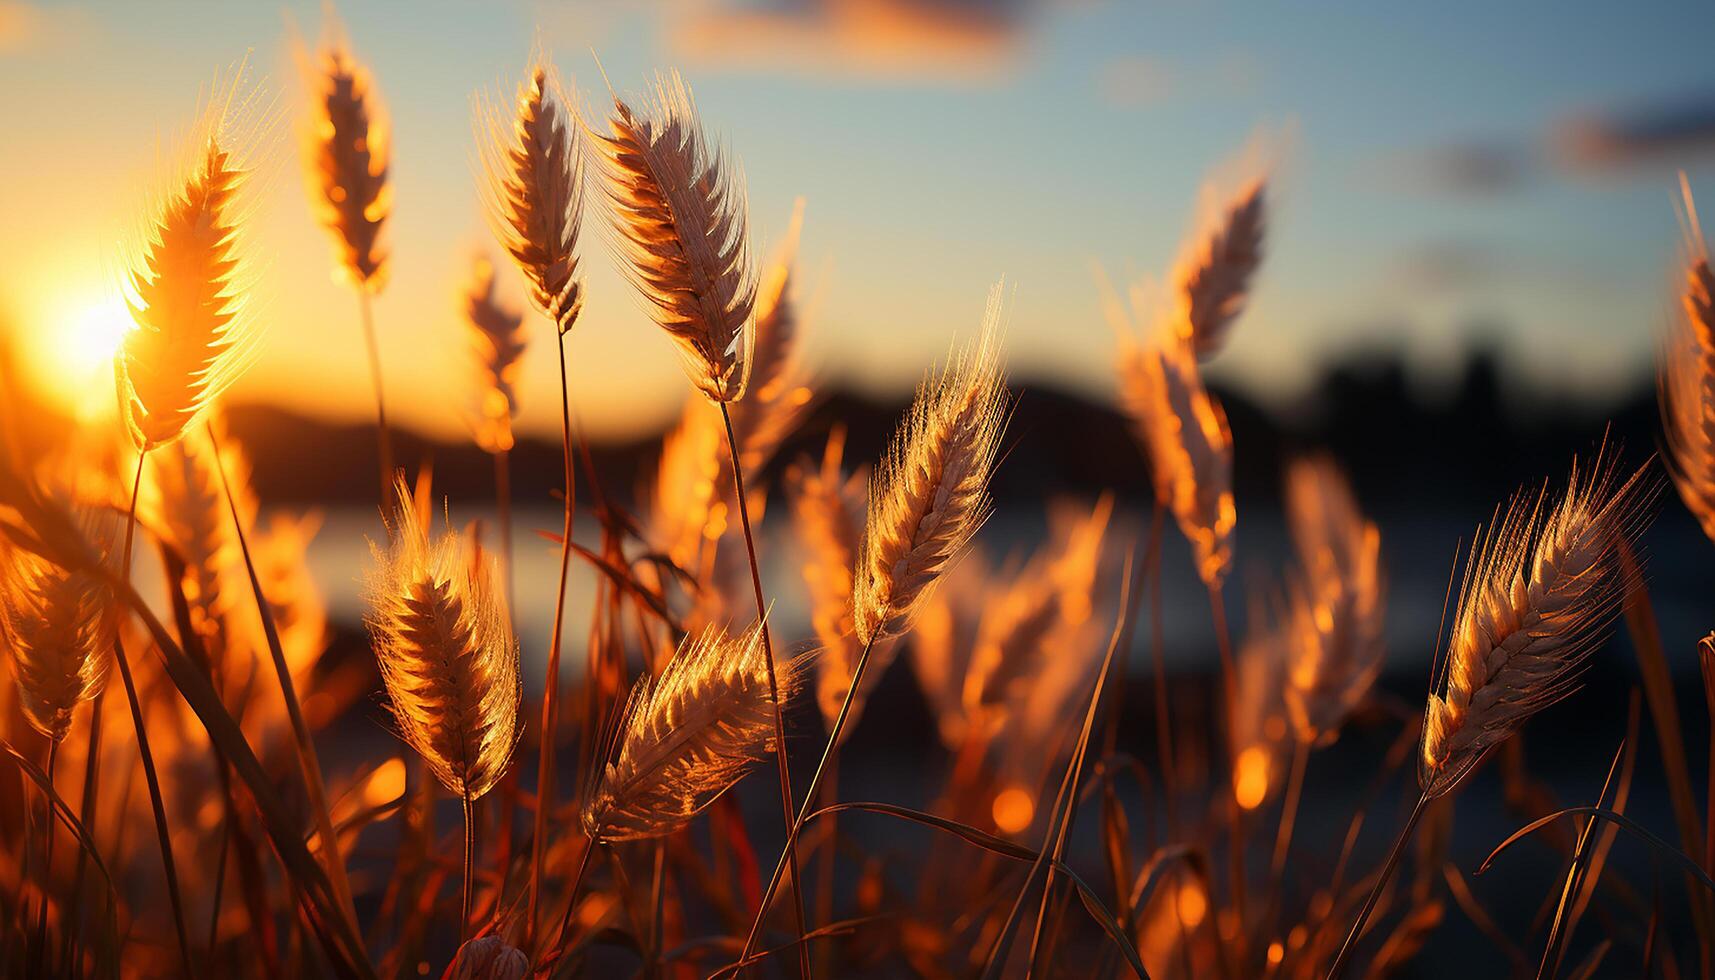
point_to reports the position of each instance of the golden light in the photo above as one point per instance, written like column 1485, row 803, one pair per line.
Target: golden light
column 1193, row 904
column 1250, row 777
column 1013, row 810
column 1276, row 953
column 85, row 346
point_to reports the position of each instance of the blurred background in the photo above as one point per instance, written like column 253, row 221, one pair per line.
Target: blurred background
column 1473, row 252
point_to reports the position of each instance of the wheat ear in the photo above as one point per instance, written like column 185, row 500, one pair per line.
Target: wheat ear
column 346, row 146
column 1212, row 280
column 687, row 736
column 60, row 624
column 930, row 493
column 1686, row 382
column 678, row 211
column 1334, row 622
column 1190, row 448
column 1537, row 597
column 193, row 324
column 533, row 169
column 497, row 343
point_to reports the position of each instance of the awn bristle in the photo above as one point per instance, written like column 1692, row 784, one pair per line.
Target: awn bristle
column 1687, row 384
column 446, row 653
column 192, row 321
column 534, row 187
column 348, row 157
column 688, row 735
column 60, row 625
column 1334, row 624
column 1538, row 595
column 678, row 211
column 930, row 493
column 497, row 343
column 1184, row 431
column 1212, row 280
column 827, row 508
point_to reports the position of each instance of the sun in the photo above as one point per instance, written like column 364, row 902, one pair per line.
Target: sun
column 91, row 337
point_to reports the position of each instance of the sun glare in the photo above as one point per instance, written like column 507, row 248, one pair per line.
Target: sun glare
column 92, row 336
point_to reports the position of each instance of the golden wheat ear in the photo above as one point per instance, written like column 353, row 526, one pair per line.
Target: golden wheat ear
column 1213, row 278
column 533, row 187
column 1686, row 381
column 189, row 284
column 446, row 652
column 930, row 493
column 497, row 341
column 688, row 736
column 1335, row 615
column 679, row 213
column 346, row 149
column 1539, row 593
column 60, row 624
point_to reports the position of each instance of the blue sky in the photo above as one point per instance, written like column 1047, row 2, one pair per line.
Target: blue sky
column 940, row 146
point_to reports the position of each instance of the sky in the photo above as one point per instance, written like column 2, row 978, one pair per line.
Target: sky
column 1444, row 175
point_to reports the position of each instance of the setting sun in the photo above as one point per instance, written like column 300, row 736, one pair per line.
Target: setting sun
column 91, row 337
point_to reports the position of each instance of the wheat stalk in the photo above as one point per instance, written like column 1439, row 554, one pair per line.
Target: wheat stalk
column 1538, row 594
column 1334, row 623
column 533, row 170
column 687, row 736
column 497, row 343
column 827, row 510
column 1184, row 431
column 930, row 493
column 446, row 653
column 678, row 211
column 193, row 323
column 60, row 624
column 1686, row 382
column 347, row 155
column 1212, row 279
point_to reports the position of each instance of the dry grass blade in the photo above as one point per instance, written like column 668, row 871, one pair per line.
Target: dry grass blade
column 534, row 186
column 930, row 493
column 346, row 146
column 60, row 624
column 678, row 209
column 1537, row 596
column 688, row 736
column 1212, row 281
column 497, row 342
column 1335, row 619
column 446, row 653
column 187, row 287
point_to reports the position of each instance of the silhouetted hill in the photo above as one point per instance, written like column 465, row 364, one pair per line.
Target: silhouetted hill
column 1467, row 447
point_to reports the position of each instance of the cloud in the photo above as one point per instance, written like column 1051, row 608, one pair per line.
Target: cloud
column 954, row 39
column 1667, row 133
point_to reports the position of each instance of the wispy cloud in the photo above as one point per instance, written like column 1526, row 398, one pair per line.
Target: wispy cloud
column 917, row 39
column 1671, row 132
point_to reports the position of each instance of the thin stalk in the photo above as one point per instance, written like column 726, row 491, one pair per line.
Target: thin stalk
column 503, row 504
column 830, row 858
column 1335, row 971
column 306, row 746
column 161, row 832
column 48, row 826
column 792, row 823
column 383, row 436
column 469, row 868
column 572, row 899
column 86, row 816
column 822, row 768
column 658, row 904
column 1229, row 695
column 550, row 694
column 1158, row 644
column 1289, row 807
column 219, row 881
